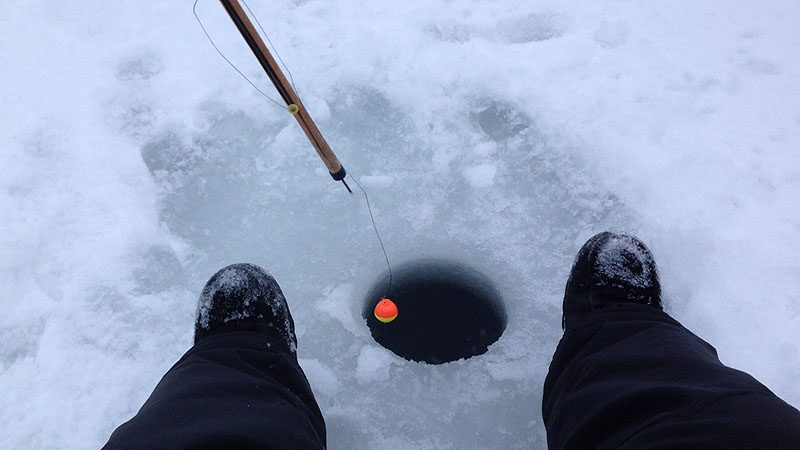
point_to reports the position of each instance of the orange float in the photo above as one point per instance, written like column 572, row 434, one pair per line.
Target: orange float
column 386, row 311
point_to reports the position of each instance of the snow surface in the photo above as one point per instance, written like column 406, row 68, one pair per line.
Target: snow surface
column 134, row 163
column 376, row 181
column 481, row 175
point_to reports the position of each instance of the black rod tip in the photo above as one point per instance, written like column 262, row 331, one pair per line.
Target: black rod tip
column 345, row 185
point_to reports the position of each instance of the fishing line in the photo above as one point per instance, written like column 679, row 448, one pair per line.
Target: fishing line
column 194, row 10
column 291, row 78
column 274, row 49
column 378, row 235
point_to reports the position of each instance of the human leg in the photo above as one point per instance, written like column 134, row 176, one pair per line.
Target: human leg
column 240, row 385
column 625, row 374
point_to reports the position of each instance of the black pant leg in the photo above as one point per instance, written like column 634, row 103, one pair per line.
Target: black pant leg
column 630, row 376
column 233, row 390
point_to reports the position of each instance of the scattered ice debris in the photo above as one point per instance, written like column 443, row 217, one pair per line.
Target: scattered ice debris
column 374, row 364
column 376, row 181
column 485, row 149
column 481, row 176
column 612, row 34
column 318, row 108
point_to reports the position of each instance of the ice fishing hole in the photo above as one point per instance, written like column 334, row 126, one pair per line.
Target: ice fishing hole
column 447, row 311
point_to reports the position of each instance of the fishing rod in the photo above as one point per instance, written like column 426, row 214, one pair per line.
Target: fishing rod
column 296, row 108
column 285, row 89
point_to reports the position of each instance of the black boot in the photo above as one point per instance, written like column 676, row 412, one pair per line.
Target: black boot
column 610, row 269
column 244, row 297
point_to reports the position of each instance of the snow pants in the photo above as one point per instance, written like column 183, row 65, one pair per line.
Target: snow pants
column 237, row 390
column 630, row 376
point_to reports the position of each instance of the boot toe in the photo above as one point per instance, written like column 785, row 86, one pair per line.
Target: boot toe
column 244, row 297
column 611, row 268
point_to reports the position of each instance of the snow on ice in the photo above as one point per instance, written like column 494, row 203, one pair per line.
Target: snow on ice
column 481, row 175
column 134, row 163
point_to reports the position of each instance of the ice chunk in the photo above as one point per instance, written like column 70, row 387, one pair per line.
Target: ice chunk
column 485, row 149
column 481, row 176
column 376, row 181
column 612, row 34
column 318, row 108
column 374, row 364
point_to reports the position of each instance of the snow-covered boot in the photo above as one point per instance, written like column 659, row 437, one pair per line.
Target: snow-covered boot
column 610, row 269
column 244, row 297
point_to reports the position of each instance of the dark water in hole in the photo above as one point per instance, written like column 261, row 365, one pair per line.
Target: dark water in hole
column 447, row 311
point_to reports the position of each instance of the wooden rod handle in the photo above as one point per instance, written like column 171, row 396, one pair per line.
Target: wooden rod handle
column 285, row 89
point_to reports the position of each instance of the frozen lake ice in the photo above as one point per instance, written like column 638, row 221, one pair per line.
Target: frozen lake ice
column 134, row 163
